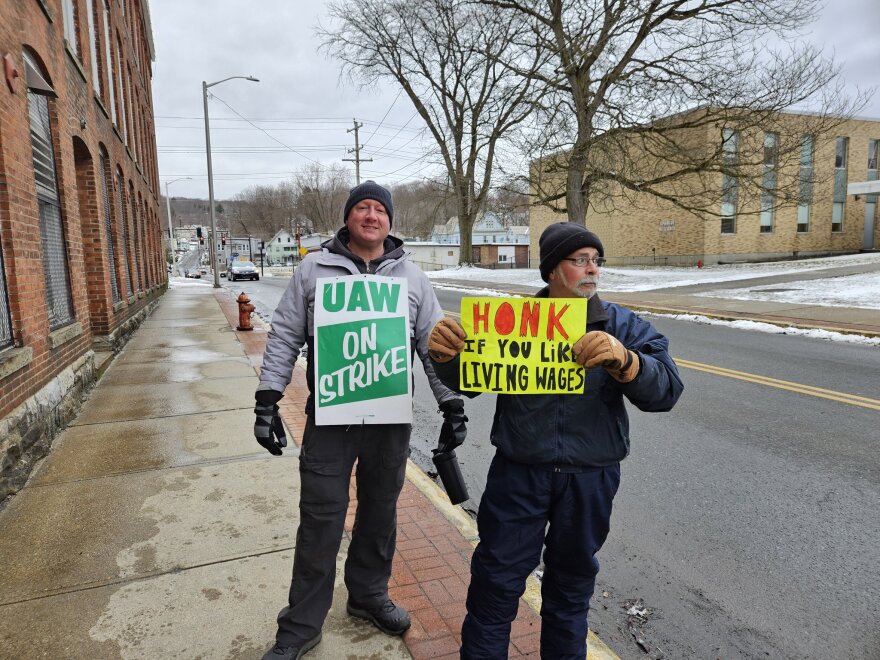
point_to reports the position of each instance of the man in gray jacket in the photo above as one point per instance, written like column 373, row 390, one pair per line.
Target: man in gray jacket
column 328, row 453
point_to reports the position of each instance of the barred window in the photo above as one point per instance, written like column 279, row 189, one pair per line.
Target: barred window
column 135, row 239
column 108, row 228
column 123, row 226
column 5, row 316
column 55, row 267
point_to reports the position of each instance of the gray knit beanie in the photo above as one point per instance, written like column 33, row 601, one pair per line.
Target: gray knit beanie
column 560, row 240
column 369, row 190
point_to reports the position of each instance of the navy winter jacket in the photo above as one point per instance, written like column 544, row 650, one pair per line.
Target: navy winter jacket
column 571, row 431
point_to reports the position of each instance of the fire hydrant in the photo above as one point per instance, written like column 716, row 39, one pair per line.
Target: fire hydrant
column 244, row 312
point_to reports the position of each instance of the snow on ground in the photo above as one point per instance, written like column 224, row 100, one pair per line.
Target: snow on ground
column 851, row 291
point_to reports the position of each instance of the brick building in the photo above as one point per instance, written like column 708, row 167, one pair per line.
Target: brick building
column 816, row 218
column 81, row 259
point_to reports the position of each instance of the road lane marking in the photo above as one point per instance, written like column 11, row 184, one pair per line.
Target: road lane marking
column 841, row 397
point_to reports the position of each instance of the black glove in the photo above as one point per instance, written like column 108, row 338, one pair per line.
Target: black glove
column 453, row 432
column 268, row 429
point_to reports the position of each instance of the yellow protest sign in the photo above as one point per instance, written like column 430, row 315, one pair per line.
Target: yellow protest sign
column 522, row 345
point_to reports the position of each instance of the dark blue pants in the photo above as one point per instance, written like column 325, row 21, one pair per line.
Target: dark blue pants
column 519, row 503
column 325, row 464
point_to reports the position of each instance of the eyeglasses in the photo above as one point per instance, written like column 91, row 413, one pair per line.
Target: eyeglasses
column 582, row 261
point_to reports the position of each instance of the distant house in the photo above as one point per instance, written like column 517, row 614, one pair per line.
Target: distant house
column 312, row 242
column 430, row 255
column 282, row 249
column 492, row 243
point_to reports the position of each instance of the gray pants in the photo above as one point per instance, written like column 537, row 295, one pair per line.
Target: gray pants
column 328, row 455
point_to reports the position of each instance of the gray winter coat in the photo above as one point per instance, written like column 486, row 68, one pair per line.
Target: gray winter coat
column 293, row 323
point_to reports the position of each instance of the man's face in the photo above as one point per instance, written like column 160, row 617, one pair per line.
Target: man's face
column 568, row 280
column 368, row 224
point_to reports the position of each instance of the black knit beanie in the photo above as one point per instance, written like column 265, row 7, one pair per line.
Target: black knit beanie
column 560, row 240
column 369, row 190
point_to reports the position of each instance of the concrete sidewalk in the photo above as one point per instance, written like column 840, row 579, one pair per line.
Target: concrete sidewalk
column 158, row 528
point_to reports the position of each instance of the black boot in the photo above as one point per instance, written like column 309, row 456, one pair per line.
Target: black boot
column 391, row 619
column 280, row 652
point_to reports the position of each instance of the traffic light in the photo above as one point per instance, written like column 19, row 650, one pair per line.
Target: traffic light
column 223, row 241
column 199, row 232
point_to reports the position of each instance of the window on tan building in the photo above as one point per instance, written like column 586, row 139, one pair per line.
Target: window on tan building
column 840, row 161
column 873, row 155
column 768, row 183
column 729, row 184
column 805, row 192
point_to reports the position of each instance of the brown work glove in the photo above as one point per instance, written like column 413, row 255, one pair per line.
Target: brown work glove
column 446, row 340
column 598, row 348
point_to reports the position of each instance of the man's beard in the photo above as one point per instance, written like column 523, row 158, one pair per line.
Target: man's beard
column 576, row 290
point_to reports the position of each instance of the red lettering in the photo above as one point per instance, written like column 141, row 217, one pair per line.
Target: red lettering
column 554, row 319
column 505, row 319
column 484, row 317
column 531, row 314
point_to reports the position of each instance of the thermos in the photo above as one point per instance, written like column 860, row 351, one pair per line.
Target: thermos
column 450, row 475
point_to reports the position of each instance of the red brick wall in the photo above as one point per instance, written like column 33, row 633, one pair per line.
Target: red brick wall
column 38, row 26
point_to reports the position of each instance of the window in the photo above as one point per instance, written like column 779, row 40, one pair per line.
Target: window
column 68, row 13
column 108, row 227
column 873, row 153
column 108, row 57
column 123, row 224
column 135, row 237
column 123, row 124
column 805, row 192
column 5, row 316
column 768, row 183
column 729, row 141
column 840, row 158
column 54, row 248
column 94, row 48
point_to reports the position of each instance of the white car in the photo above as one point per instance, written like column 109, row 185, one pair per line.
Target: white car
column 241, row 270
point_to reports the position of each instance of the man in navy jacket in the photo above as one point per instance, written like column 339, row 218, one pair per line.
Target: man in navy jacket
column 557, row 463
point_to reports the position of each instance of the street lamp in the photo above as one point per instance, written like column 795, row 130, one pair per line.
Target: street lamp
column 205, row 86
column 168, row 202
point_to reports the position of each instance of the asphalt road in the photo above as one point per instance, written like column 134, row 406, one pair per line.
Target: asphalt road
column 746, row 522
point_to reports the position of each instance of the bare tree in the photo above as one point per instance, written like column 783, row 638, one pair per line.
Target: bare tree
column 262, row 211
column 634, row 88
column 420, row 205
column 450, row 58
column 320, row 194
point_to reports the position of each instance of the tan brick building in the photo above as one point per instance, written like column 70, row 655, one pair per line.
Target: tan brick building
column 81, row 257
column 815, row 219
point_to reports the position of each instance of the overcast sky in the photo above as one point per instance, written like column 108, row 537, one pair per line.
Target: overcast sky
column 300, row 111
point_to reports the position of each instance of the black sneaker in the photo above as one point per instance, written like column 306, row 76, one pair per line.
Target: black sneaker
column 391, row 619
column 279, row 652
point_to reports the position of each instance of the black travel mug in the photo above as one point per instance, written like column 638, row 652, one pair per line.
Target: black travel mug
column 450, row 475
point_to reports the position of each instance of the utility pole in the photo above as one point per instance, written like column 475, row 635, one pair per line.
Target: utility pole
column 357, row 160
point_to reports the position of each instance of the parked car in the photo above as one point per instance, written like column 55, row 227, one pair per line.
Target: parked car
column 241, row 270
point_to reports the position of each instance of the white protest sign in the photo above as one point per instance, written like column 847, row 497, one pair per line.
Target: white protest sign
column 362, row 351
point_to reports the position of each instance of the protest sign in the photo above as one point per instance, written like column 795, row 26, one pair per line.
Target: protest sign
column 522, row 345
column 362, row 355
